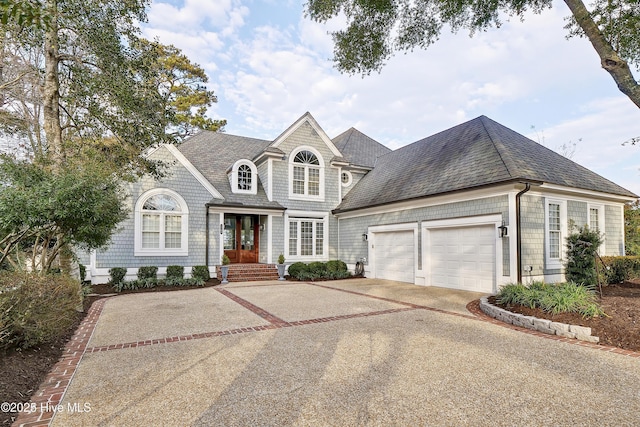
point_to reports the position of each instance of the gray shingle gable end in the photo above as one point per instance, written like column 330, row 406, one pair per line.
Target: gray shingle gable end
column 359, row 149
column 474, row 154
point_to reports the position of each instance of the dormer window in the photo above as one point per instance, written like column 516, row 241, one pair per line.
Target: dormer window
column 307, row 175
column 244, row 177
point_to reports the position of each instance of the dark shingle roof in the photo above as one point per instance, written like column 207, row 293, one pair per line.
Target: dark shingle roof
column 213, row 153
column 358, row 148
column 477, row 153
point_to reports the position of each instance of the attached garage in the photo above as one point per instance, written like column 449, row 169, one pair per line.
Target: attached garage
column 462, row 257
column 394, row 254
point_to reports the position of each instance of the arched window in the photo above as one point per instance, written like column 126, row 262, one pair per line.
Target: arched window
column 307, row 175
column 244, row 177
column 161, row 224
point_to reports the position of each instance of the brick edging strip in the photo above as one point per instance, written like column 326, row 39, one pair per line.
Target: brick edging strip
column 474, row 307
column 55, row 384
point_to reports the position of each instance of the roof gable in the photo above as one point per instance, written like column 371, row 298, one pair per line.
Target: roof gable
column 307, row 118
column 359, row 149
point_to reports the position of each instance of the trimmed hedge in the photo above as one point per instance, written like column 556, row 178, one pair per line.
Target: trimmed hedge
column 147, row 273
column 319, row 270
column 200, row 272
column 175, row 272
column 149, row 283
column 35, row 309
column 117, row 275
column 617, row 269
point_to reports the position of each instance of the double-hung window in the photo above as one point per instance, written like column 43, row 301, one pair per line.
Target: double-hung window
column 556, row 232
column 161, row 224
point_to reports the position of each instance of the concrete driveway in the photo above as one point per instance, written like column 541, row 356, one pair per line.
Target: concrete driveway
column 346, row 353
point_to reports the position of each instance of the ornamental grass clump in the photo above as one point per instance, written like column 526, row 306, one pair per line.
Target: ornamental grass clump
column 566, row 297
column 36, row 309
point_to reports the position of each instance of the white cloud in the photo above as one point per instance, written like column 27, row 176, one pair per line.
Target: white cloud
column 523, row 74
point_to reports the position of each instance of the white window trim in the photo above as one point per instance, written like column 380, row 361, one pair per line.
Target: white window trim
column 555, row 263
column 324, row 217
column 601, row 219
column 292, row 195
column 254, row 177
column 349, row 181
column 184, row 243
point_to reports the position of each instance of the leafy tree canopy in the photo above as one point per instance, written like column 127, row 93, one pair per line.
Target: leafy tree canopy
column 43, row 210
column 378, row 28
column 88, row 84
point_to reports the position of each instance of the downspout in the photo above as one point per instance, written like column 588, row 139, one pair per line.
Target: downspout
column 206, row 237
column 527, row 187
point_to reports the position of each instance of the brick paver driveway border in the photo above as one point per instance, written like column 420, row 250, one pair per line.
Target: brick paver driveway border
column 52, row 391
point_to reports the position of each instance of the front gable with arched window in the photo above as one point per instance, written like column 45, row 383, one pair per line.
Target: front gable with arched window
column 306, row 174
column 161, row 224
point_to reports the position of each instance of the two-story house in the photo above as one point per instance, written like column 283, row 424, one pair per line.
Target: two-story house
column 472, row 207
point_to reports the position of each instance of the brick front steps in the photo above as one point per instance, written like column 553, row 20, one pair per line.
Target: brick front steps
column 542, row 325
column 249, row 272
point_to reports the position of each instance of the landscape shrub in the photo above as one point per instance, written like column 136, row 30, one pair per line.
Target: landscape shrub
column 568, row 297
column 336, row 266
column 83, row 272
column 175, row 272
column 35, row 309
column 317, row 269
column 147, row 273
column 582, row 248
column 117, row 275
column 296, row 268
column 150, row 283
column 617, row 269
column 200, row 272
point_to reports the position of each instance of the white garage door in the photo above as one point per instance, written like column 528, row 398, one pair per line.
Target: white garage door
column 463, row 257
column 394, row 253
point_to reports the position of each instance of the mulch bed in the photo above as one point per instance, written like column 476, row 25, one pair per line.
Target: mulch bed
column 620, row 328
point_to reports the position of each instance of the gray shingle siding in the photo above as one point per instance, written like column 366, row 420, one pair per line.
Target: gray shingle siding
column 120, row 252
column 532, row 229
column 614, row 230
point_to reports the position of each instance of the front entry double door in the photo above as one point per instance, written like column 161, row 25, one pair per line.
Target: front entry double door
column 241, row 236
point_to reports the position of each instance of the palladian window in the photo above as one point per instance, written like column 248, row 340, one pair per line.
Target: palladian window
column 306, row 175
column 161, row 224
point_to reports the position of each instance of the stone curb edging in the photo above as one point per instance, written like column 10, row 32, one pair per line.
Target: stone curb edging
column 581, row 333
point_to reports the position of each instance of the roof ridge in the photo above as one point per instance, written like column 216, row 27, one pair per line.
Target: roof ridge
column 495, row 141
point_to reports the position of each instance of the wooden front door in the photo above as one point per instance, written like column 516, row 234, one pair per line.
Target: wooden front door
column 241, row 236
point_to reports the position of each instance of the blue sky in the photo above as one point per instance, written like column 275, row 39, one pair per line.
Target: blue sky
column 268, row 65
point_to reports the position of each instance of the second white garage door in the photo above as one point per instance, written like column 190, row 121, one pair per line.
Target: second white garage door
column 394, row 256
column 463, row 258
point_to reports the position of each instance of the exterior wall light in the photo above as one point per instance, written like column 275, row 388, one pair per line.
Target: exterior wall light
column 365, row 237
column 221, row 228
column 503, row 230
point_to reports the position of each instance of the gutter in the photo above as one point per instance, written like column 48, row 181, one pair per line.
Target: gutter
column 519, row 231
